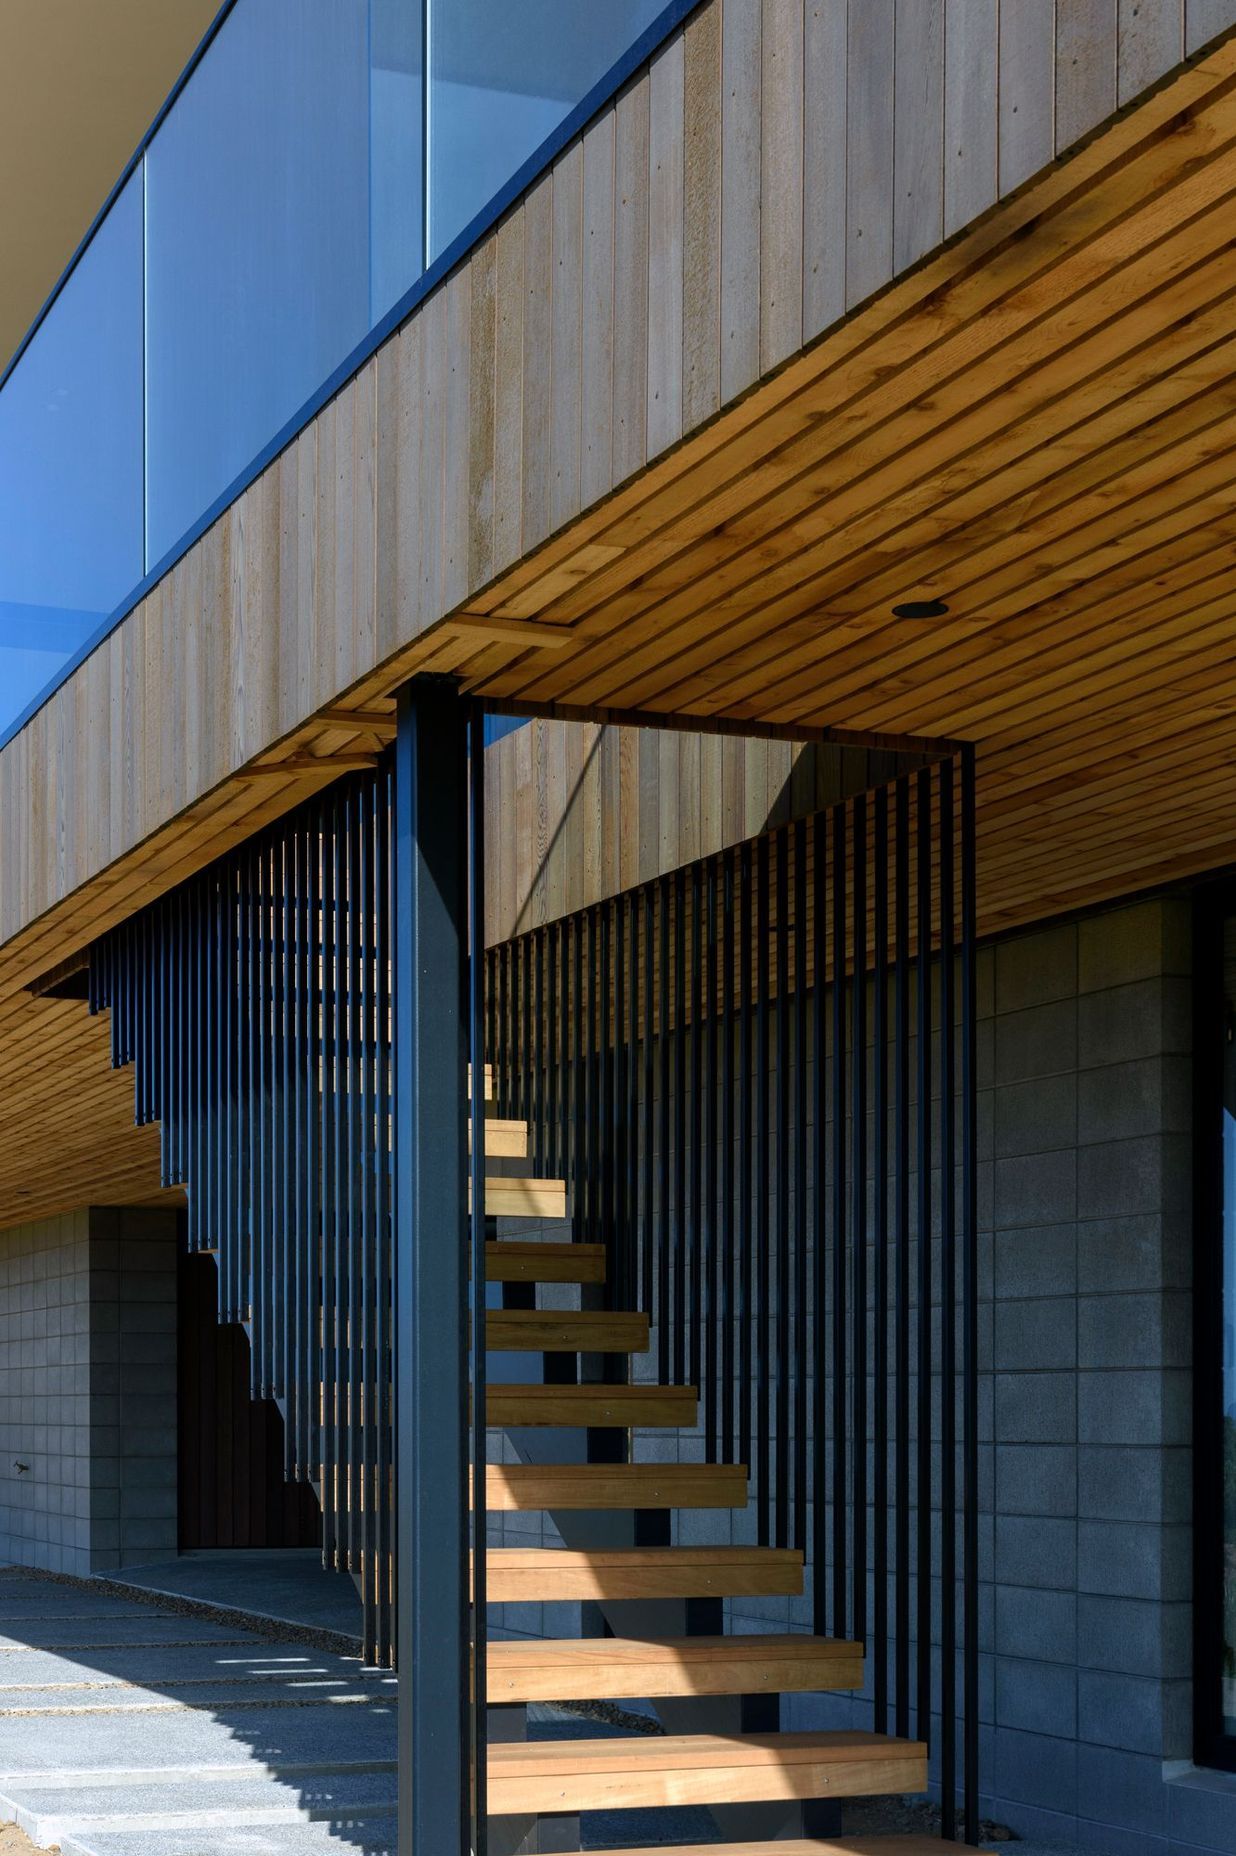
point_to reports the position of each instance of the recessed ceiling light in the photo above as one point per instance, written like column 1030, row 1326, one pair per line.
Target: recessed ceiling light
column 921, row 609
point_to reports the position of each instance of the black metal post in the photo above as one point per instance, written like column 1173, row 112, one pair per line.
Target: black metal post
column 476, row 1107
column 430, row 1274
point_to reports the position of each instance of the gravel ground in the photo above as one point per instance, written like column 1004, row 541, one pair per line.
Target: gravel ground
column 15, row 1842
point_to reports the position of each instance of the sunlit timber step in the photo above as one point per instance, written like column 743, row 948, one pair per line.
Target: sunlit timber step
column 648, row 1771
column 611, row 1668
column 590, row 1406
column 504, row 1140
column 539, row 1330
column 511, row 1259
column 515, row 1197
column 842, row 1846
column 528, row 1486
column 530, row 1575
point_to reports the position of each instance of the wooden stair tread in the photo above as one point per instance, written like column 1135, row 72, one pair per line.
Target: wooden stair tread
column 698, row 1769
column 535, row 1330
column 504, row 1140
column 530, row 1574
column 590, row 1405
column 608, row 1668
column 511, row 1259
column 509, row 1195
column 527, row 1486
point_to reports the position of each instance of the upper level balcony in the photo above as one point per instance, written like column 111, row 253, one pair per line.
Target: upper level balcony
column 320, row 165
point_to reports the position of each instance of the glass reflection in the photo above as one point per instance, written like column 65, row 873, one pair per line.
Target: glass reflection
column 502, row 78
column 71, row 463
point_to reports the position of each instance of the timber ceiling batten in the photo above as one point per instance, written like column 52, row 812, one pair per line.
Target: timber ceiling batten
column 1035, row 426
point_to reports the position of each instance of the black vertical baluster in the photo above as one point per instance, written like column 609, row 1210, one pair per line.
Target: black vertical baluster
column 782, row 1474
column 819, row 1274
column 593, row 1158
column 648, row 1207
column 383, row 1334
column 729, row 1256
column 616, row 966
column 800, row 1185
column 969, row 1274
column 354, row 1332
column 712, row 1317
column 879, row 1170
column 319, row 1084
column 362, row 1341
column 554, row 1146
column 763, row 1187
column 901, row 1229
column 695, row 1225
column 664, row 1311
column 924, row 1163
column 680, row 1128
column 525, row 1029
column 577, row 1123
column 604, row 1093
column 746, row 1209
column 331, row 1457
column 476, row 902
column 632, row 1104
column 537, row 1133
column 948, row 1321
column 858, row 1213
column 840, row 1299
column 562, row 1169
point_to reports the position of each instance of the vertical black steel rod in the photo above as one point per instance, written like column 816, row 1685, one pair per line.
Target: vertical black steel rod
column 879, row 1172
column 476, row 1058
column 858, row 1217
column 784, row 1362
column 969, row 1276
column 924, row 1160
column 841, row 1488
column 948, row 1320
column 763, row 1234
column 431, row 1352
column 901, row 1252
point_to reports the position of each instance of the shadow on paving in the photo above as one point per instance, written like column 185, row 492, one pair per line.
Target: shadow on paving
column 129, row 1728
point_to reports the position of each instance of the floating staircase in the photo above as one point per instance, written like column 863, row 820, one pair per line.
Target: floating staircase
column 551, row 1782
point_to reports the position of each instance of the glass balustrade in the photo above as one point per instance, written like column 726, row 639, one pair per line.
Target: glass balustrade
column 318, row 158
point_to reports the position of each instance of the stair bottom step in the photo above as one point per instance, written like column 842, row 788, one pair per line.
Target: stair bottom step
column 840, row 1846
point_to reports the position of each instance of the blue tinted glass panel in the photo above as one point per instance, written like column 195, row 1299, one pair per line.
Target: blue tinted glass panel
column 264, row 187
column 71, row 463
column 396, row 92
column 502, row 77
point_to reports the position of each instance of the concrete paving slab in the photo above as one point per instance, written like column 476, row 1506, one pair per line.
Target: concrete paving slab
column 106, row 1697
column 109, row 1631
column 29, row 1607
column 289, row 1587
column 307, row 1737
column 240, row 1658
column 51, row 1814
column 374, row 1837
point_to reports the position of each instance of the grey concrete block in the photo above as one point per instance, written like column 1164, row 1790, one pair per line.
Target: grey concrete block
column 1135, row 1253
column 1038, row 1698
column 1036, row 1189
column 1133, row 1636
column 1036, row 1552
column 1036, row 1335
column 1133, row 942
column 1035, row 1769
column 1035, row 1117
column 1031, row 1622
column 1128, row 1559
column 1037, row 1261
column 1120, row 1482
column 1124, row 1711
column 1035, row 1408
column 1122, row 1179
column 1147, row 1330
column 1036, row 1479
column 1124, row 1790
column 1124, row 1101
column 1131, row 1408
column 1036, row 968
column 1041, row 1041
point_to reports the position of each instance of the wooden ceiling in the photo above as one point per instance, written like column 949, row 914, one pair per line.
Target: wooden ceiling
column 1038, row 427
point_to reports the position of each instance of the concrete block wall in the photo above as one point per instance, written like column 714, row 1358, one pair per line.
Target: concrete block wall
column 88, row 1390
